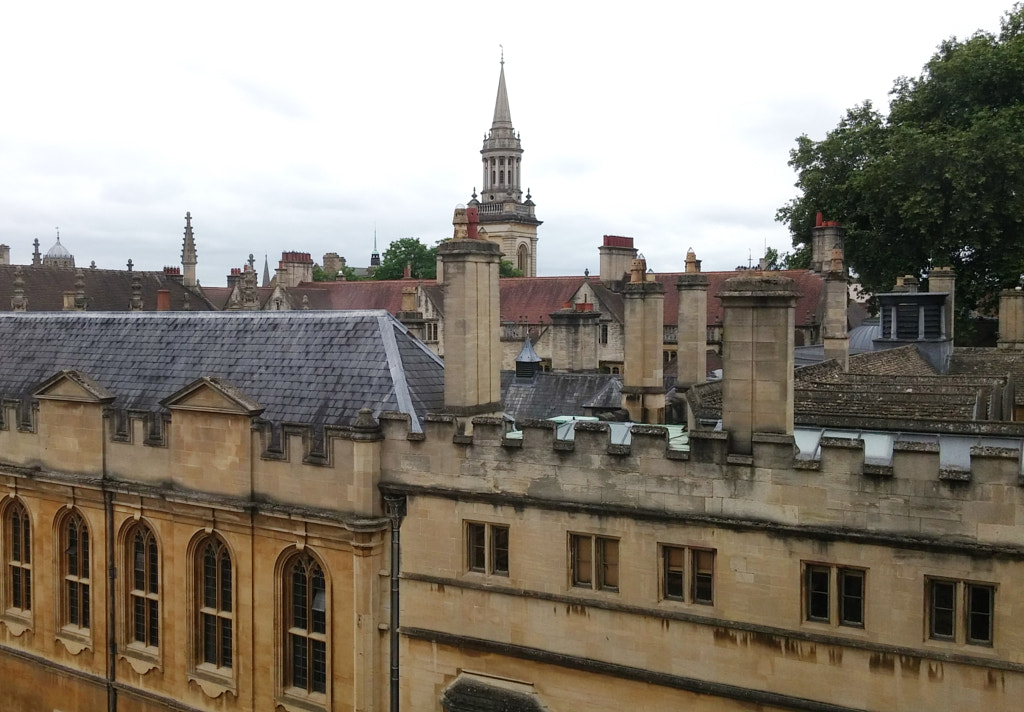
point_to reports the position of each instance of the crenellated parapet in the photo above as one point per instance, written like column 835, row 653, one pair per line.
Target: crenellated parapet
column 915, row 491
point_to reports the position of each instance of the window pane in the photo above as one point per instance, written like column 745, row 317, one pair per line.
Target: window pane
column 475, row 547
column 139, row 551
column 817, row 592
column 83, row 550
column 979, row 620
column 209, row 638
column 673, row 560
column 703, row 576
column 16, row 598
column 319, row 603
column 851, row 602
column 85, row 606
column 608, row 553
column 225, row 643
column 139, row 618
column 72, row 548
column 943, row 608
column 72, row 588
column 210, row 577
column 299, row 667
column 319, row 666
column 299, row 601
column 499, row 553
column 582, row 565
column 154, row 571
column 154, row 622
column 225, row 580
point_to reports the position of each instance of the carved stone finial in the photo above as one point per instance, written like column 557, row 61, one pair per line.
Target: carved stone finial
column 18, row 301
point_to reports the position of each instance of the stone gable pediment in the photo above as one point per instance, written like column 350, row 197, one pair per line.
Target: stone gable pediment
column 212, row 395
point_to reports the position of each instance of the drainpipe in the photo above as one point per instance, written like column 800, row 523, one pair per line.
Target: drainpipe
column 108, row 507
column 395, row 505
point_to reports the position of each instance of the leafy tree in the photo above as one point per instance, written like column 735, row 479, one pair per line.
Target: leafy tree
column 405, row 251
column 505, row 269
column 939, row 181
column 322, row 275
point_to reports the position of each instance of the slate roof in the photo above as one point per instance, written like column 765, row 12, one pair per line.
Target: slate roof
column 308, row 367
column 105, row 289
column 535, row 297
column 546, row 395
column 369, row 294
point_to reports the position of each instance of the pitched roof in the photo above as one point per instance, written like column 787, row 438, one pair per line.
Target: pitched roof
column 546, row 395
column 534, row 298
column 368, row 294
column 309, row 367
column 105, row 289
column 990, row 362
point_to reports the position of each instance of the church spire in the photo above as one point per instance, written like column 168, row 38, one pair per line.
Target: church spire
column 502, row 114
column 189, row 257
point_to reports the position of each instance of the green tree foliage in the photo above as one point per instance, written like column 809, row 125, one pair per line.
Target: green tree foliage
column 408, row 250
column 939, row 181
column 505, row 269
column 322, row 275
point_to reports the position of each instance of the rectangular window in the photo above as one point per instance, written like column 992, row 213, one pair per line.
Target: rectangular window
column 673, row 558
column 942, row 619
column 851, row 597
column 700, row 575
column 604, row 333
column 592, row 555
column 817, row 587
column 979, row 614
column 844, row 607
column 703, row 576
column 960, row 611
column 487, row 548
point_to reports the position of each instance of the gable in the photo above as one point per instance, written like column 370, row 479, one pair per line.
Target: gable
column 73, row 385
column 211, row 395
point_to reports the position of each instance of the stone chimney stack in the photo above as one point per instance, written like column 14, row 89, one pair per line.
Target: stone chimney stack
column 643, row 383
column 5, row 255
column 472, row 384
column 835, row 336
column 189, row 256
column 757, row 358
column 942, row 280
column 617, row 255
column 294, row 267
column 1011, row 319
column 692, row 329
column 825, row 237
column 574, row 335
column 19, row 302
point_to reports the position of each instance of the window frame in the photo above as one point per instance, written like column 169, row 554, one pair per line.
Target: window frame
column 960, row 611
column 484, row 552
column 74, row 604
column 290, row 632
column 149, row 596
column 684, row 578
column 17, row 565
column 604, row 574
column 834, row 597
column 220, row 612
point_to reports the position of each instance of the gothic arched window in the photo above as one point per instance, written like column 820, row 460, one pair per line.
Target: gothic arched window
column 214, row 603
column 143, row 581
column 18, row 555
column 305, row 625
column 74, row 568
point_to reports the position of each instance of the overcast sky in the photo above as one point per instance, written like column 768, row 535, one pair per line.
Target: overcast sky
column 302, row 126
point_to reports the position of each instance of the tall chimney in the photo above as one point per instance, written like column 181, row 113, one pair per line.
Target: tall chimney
column 472, row 384
column 692, row 325
column 757, row 358
column 643, row 382
column 574, row 335
column 835, row 337
column 617, row 255
column 1011, row 319
column 5, row 255
column 825, row 237
column 942, row 279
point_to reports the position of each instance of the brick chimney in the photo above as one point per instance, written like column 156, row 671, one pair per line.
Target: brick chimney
column 643, row 381
column 692, row 325
column 472, row 384
column 757, row 358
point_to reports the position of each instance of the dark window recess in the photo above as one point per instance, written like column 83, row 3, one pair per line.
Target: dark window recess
column 851, row 601
column 943, row 610
column 979, row 614
column 818, row 593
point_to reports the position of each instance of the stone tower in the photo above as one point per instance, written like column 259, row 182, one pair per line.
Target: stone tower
column 189, row 257
column 505, row 218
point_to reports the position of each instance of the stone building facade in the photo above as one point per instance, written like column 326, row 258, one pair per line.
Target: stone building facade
column 337, row 528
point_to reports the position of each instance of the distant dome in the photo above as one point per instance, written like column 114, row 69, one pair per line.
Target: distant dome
column 58, row 251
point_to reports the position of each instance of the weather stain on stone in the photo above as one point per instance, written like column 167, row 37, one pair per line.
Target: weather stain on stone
column 910, row 665
column 882, row 662
column 725, row 636
column 935, row 671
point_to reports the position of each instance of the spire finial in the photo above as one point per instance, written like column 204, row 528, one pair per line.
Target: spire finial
column 58, row 233
column 502, row 55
